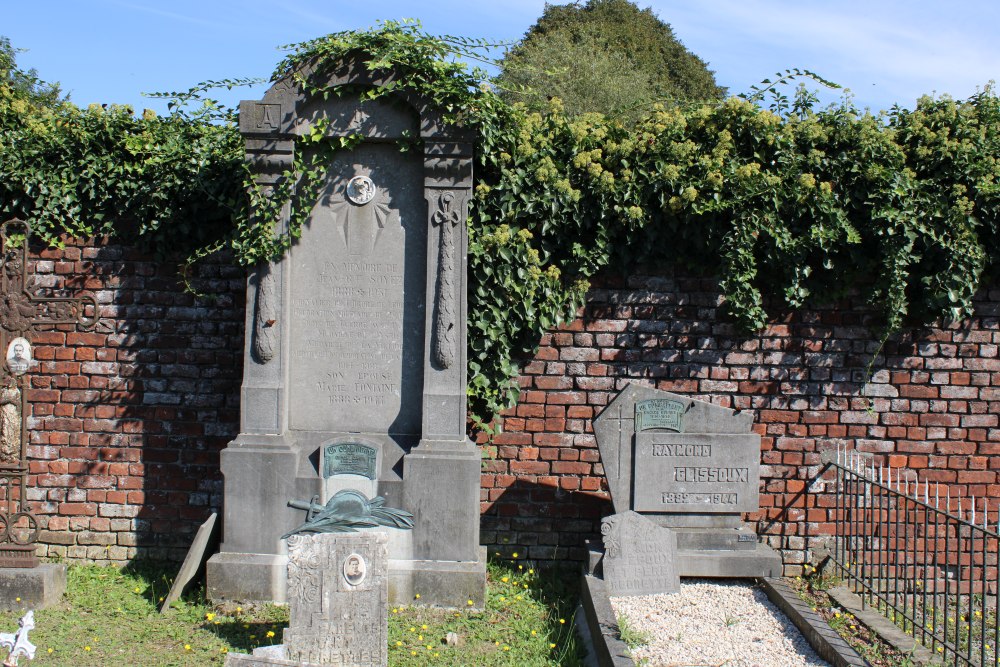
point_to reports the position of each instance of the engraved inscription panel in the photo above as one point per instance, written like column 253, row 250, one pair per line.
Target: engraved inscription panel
column 357, row 300
column 349, row 458
column 639, row 556
column 659, row 413
column 696, row 472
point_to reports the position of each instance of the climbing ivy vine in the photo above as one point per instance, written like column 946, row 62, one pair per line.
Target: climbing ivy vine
column 784, row 202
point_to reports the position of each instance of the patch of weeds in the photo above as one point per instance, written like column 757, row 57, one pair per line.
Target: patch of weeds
column 632, row 637
column 812, row 588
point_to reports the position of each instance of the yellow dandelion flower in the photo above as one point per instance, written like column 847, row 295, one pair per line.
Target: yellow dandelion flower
column 224, row 649
column 412, row 629
column 526, row 587
column 562, row 621
column 506, row 648
column 514, row 555
column 395, row 610
column 429, row 647
column 436, row 654
column 468, row 602
column 420, row 638
column 187, row 647
column 423, row 627
column 17, row 599
column 503, row 579
column 270, row 633
column 413, row 652
column 50, row 650
column 531, row 571
column 86, row 648
column 399, row 643
column 552, row 645
column 533, row 633
column 137, row 589
column 239, row 609
column 417, row 596
column 209, row 616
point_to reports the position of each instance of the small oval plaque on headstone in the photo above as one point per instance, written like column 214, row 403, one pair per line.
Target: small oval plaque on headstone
column 19, row 356
column 355, row 569
column 349, row 458
column 659, row 413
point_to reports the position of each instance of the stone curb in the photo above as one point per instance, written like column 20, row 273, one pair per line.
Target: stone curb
column 825, row 641
column 884, row 628
column 609, row 650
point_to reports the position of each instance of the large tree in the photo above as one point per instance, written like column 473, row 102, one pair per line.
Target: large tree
column 25, row 84
column 607, row 56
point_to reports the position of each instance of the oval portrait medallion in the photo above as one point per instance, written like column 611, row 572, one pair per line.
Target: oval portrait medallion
column 355, row 569
column 19, row 356
column 360, row 190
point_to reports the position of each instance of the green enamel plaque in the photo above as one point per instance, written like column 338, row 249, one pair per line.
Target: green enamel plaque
column 659, row 413
column 349, row 458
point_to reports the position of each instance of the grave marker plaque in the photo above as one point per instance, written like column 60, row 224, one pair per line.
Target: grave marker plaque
column 688, row 472
column 638, row 556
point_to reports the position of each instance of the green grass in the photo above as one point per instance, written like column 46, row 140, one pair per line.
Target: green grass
column 111, row 616
column 528, row 620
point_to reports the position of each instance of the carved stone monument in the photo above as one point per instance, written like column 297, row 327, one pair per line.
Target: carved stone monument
column 355, row 360
column 338, row 598
column 692, row 467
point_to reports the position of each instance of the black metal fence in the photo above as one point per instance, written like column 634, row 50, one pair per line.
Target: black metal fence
column 926, row 560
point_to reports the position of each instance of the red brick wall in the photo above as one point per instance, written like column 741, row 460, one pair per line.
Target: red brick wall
column 127, row 421
column 931, row 406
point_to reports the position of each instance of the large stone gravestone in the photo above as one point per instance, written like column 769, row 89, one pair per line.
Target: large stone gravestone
column 690, row 466
column 355, row 359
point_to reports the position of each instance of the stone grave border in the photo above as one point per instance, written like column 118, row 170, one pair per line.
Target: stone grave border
column 610, row 651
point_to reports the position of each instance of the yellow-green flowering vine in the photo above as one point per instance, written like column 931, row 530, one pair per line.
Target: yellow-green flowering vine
column 786, row 205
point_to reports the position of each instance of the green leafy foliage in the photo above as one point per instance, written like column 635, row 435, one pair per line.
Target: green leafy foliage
column 604, row 56
column 785, row 203
column 175, row 182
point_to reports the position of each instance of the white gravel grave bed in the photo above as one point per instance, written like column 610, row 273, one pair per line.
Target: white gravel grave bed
column 730, row 624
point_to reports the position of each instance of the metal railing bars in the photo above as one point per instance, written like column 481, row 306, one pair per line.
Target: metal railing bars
column 931, row 571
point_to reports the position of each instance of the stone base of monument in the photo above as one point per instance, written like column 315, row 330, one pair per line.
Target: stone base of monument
column 439, row 583
column 31, row 588
column 236, row 577
column 261, row 578
column 759, row 560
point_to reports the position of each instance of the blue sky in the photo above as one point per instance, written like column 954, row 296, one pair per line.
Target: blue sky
column 884, row 51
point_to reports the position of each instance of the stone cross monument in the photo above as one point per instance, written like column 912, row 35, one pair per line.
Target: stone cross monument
column 355, row 359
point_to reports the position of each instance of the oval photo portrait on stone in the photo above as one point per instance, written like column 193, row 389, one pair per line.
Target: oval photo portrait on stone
column 355, row 569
